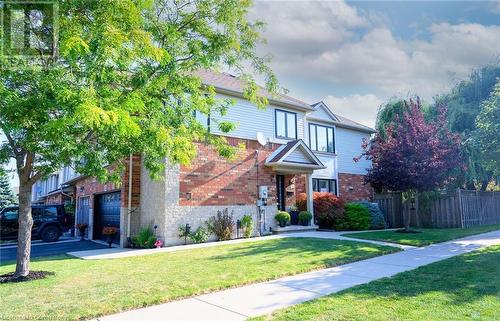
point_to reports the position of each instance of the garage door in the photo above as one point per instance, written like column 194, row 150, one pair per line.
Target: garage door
column 107, row 212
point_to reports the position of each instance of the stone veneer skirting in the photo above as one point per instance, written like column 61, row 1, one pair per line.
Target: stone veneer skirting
column 160, row 206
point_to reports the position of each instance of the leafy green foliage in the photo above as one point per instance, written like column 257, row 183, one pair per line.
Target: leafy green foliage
column 222, row 225
column 183, row 232
column 356, row 218
column 377, row 217
column 305, row 217
column 7, row 197
column 389, row 113
column 145, row 239
column 282, row 217
column 487, row 134
column 247, row 225
column 125, row 82
column 201, row 235
column 464, row 104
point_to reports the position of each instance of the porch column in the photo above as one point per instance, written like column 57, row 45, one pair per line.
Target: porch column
column 309, row 193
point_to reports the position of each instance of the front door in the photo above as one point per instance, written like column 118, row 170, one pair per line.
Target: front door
column 280, row 191
column 83, row 213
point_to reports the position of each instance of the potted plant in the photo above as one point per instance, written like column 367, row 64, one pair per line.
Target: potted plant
column 109, row 232
column 81, row 228
column 294, row 215
column 283, row 218
column 305, row 217
column 158, row 244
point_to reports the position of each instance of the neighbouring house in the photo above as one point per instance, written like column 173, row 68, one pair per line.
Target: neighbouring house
column 301, row 148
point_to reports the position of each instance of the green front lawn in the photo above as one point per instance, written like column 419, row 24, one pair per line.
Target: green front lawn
column 428, row 236
column 85, row 289
column 466, row 287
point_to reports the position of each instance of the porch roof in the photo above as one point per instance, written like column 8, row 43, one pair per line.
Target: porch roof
column 294, row 158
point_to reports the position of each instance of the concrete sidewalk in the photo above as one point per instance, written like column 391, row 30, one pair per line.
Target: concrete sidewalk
column 115, row 253
column 262, row 298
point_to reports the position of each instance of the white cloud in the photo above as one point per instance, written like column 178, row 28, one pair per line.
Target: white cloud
column 333, row 41
column 304, row 28
column 360, row 108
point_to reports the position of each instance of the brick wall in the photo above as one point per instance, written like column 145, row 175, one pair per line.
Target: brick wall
column 54, row 199
column 89, row 186
column 213, row 180
column 353, row 188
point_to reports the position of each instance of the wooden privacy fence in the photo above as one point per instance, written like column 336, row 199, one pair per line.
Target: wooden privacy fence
column 456, row 209
column 391, row 206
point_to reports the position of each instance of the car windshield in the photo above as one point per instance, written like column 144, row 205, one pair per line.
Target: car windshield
column 10, row 214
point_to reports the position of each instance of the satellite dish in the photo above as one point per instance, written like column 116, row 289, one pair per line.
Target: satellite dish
column 261, row 139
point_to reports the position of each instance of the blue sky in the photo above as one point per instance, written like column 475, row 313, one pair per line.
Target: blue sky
column 355, row 55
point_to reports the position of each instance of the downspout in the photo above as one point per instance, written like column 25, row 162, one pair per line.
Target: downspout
column 129, row 205
column 259, row 220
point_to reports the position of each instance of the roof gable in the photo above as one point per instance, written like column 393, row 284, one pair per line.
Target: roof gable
column 322, row 112
column 294, row 152
column 338, row 120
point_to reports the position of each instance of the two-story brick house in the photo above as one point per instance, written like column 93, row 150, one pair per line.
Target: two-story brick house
column 303, row 148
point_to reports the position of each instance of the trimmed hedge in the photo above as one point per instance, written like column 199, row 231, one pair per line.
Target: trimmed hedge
column 378, row 221
column 357, row 218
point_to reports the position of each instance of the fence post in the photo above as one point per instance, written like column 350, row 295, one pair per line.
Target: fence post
column 460, row 209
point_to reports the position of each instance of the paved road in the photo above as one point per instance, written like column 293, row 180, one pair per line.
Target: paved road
column 50, row 249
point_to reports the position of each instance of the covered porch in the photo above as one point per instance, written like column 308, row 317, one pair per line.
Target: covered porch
column 294, row 164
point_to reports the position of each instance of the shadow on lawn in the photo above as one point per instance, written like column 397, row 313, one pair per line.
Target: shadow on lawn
column 40, row 259
column 338, row 252
column 464, row 279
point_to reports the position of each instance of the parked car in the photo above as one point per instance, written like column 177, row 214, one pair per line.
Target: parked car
column 49, row 222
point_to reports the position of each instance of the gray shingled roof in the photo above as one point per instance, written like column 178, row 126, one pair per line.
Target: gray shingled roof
column 227, row 82
column 346, row 122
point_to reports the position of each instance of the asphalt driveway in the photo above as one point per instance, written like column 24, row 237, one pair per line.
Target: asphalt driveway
column 8, row 254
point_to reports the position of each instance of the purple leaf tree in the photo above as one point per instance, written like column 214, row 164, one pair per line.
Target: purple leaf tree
column 414, row 156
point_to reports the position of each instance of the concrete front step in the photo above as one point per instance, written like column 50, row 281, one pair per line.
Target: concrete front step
column 294, row 229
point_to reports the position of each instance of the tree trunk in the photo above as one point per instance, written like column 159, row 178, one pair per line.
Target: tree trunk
column 25, row 225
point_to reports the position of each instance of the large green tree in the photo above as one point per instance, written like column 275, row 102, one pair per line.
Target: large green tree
column 464, row 105
column 389, row 113
column 487, row 135
column 122, row 81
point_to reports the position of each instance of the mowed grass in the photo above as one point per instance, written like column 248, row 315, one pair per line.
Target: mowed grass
column 465, row 287
column 426, row 237
column 85, row 289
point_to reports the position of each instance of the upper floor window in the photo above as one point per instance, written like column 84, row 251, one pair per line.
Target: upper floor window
column 321, row 138
column 286, row 124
